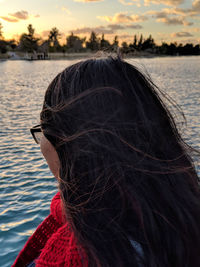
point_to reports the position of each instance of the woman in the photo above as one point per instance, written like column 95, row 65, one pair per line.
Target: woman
column 129, row 193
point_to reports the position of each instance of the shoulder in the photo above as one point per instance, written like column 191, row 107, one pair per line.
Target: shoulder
column 62, row 250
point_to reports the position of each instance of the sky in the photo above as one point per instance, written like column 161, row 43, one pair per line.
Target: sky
column 166, row 20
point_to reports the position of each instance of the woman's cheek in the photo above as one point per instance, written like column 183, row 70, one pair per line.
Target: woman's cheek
column 50, row 155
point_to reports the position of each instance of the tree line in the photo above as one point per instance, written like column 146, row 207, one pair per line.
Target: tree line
column 29, row 42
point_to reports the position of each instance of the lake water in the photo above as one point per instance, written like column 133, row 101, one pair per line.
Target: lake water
column 26, row 184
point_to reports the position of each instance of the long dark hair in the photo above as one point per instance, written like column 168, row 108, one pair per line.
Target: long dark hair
column 127, row 179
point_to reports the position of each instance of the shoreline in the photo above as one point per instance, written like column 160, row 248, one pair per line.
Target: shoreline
column 77, row 56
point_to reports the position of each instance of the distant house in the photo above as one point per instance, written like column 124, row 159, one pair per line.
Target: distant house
column 35, row 56
column 40, row 54
column 43, row 50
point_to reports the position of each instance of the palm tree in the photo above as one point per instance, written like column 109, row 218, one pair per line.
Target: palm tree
column 53, row 37
column 1, row 33
column 94, row 42
column 115, row 43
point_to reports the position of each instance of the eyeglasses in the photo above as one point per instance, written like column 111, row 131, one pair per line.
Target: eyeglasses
column 36, row 132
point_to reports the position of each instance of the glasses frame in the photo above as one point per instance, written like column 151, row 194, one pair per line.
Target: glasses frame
column 36, row 129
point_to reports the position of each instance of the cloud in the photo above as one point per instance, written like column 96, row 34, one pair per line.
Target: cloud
column 175, row 21
column 193, row 11
column 123, row 18
column 148, row 2
column 196, row 29
column 182, row 34
column 17, row 16
column 173, row 11
column 191, row 30
column 165, row 2
column 109, row 29
column 166, row 16
column 20, row 15
column 66, row 10
column 88, row 1
column 134, row 26
column 191, row 41
column 9, row 19
column 196, row 5
column 116, row 27
column 98, row 30
column 158, row 14
column 187, row 23
column 133, row 2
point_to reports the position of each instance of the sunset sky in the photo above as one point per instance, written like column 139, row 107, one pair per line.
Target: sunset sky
column 166, row 20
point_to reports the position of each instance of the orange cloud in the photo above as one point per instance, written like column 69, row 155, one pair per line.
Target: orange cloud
column 196, row 4
column 20, row 15
column 109, row 29
column 87, row 1
column 175, row 21
column 148, row 2
column 196, row 30
column 133, row 2
column 165, row 2
column 17, row 16
column 182, row 34
column 126, row 26
column 123, row 18
column 9, row 19
column 98, row 30
column 166, row 16
column 193, row 11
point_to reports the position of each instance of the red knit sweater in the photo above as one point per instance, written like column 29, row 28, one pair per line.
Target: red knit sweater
column 53, row 243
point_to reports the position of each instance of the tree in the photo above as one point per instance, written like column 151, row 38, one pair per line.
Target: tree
column 12, row 44
column 148, row 43
column 133, row 46
column 172, row 49
column 115, row 43
column 28, row 42
column 3, row 46
column 125, row 48
column 135, row 41
column 196, row 50
column 188, row 49
column 1, row 32
column 3, row 43
column 93, row 43
column 31, row 31
column 104, row 44
column 74, row 43
column 54, row 35
column 140, row 42
column 180, row 49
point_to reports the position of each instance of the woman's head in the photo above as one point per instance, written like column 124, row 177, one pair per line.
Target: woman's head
column 124, row 171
